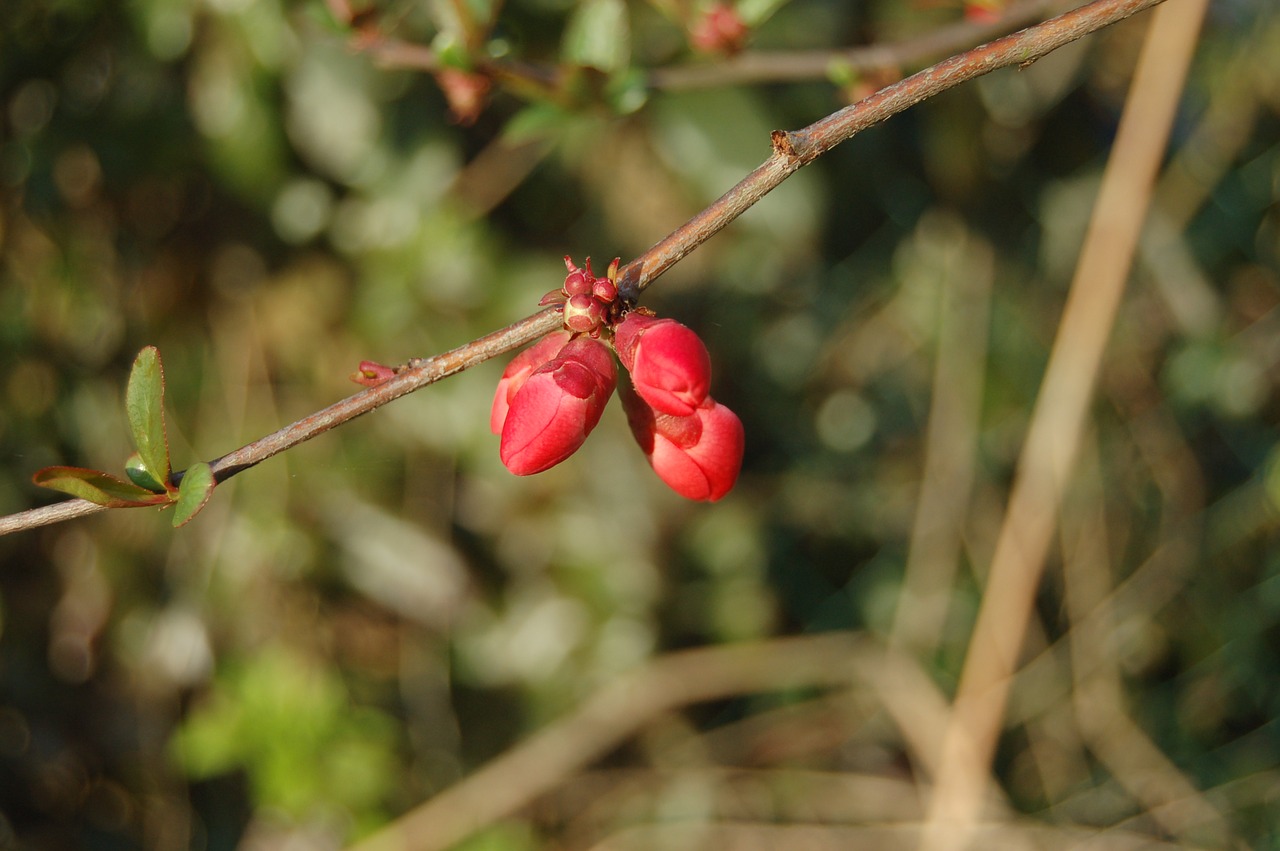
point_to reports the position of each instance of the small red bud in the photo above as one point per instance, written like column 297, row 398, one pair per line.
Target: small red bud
column 466, row 92
column 983, row 11
column 578, row 281
column 558, row 405
column 604, row 290
column 583, row 314
column 371, row 374
column 720, row 30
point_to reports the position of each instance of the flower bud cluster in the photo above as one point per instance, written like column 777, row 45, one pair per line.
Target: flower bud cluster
column 552, row 394
column 590, row 303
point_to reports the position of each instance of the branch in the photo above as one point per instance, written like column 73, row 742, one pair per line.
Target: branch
column 790, row 66
column 1058, row 423
column 416, row 374
column 749, row 67
column 612, row 715
column 791, row 151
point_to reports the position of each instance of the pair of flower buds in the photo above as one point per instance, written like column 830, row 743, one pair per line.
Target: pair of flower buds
column 552, row 395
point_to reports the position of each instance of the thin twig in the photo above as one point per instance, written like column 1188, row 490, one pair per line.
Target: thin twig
column 608, row 718
column 1138, row 765
column 791, row 151
column 750, row 67
column 418, row 373
column 951, row 441
column 1057, row 423
column 783, row 66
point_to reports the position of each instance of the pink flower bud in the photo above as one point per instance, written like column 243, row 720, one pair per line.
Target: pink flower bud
column 983, row 11
column 720, row 30
column 583, row 314
column 371, row 373
column 669, row 365
column 604, row 290
column 697, row 456
column 466, row 92
column 578, row 281
column 557, row 407
column 518, row 371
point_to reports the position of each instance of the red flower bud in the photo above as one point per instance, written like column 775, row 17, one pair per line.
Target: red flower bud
column 720, row 30
column 604, row 290
column 983, row 11
column 557, row 406
column 518, row 371
column 466, row 93
column 669, row 365
column 371, row 373
column 578, row 281
column 583, row 314
column 698, row 456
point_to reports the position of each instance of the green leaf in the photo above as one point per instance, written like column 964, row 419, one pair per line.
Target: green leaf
column 323, row 16
column 756, row 12
column 627, row 92
column 144, row 403
column 535, row 122
column 193, row 492
column 451, row 51
column 841, row 73
column 98, row 487
column 598, row 35
column 482, row 10
column 141, row 476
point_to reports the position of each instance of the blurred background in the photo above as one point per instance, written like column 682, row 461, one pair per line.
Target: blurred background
column 270, row 192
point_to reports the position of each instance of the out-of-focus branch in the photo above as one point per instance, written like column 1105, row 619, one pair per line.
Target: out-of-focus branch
column 788, row 66
column 747, row 68
column 791, row 151
column 1057, row 424
column 607, row 719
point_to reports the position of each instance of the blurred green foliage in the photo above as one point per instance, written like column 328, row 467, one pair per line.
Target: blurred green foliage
column 262, row 191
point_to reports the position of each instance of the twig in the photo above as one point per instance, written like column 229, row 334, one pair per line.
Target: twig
column 418, row 373
column 747, row 68
column 1056, row 426
column 1127, row 752
column 791, row 151
column 782, row 66
column 608, row 718
column 951, row 442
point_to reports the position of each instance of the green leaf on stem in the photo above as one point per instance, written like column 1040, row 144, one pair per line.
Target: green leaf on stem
column 97, row 487
column 535, row 123
column 756, row 12
column 141, row 476
column 451, row 51
column 144, row 403
column 627, row 92
column 193, row 492
column 323, row 16
column 598, row 35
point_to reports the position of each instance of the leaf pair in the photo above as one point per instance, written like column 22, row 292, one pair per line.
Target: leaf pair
column 150, row 477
